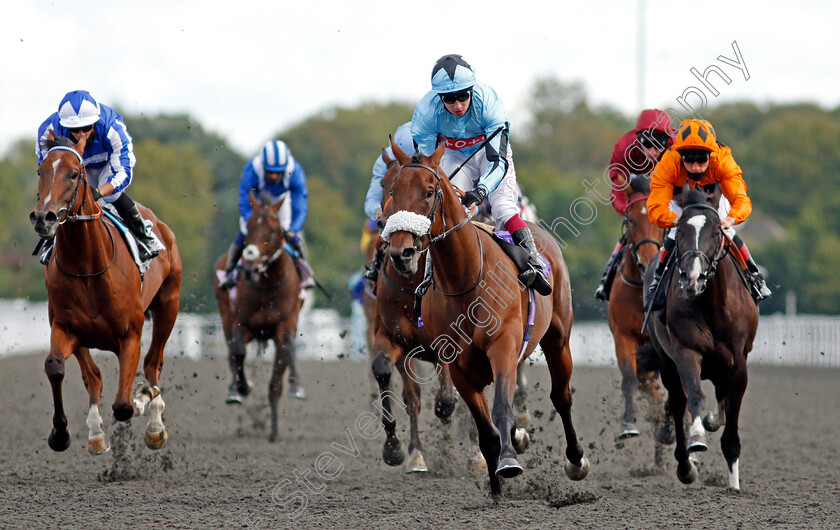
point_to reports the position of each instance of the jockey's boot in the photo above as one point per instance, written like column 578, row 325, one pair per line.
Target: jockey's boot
column 372, row 273
column 760, row 291
column 234, row 253
column 534, row 276
column 146, row 244
column 657, row 273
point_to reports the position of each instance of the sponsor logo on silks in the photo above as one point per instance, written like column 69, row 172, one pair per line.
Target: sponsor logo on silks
column 460, row 143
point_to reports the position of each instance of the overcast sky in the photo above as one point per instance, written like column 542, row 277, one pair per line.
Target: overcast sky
column 251, row 68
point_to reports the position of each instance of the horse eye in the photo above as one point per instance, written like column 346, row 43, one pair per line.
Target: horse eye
column 429, row 193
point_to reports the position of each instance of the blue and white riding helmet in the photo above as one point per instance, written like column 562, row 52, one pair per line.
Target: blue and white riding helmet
column 276, row 157
column 452, row 73
column 78, row 109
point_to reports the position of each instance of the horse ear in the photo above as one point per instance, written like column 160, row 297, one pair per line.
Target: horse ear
column 80, row 145
column 51, row 136
column 386, row 158
column 255, row 204
column 438, row 154
column 621, row 183
column 714, row 198
column 274, row 208
column 402, row 158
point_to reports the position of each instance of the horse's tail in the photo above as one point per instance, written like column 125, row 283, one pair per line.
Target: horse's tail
column 647, row 358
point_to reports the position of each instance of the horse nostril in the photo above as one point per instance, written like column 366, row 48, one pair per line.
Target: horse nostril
column 33, row 217
column 408, row 253
column 51, row 217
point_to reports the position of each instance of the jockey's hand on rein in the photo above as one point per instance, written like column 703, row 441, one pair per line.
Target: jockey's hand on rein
column 96, row 193
column 475, row 196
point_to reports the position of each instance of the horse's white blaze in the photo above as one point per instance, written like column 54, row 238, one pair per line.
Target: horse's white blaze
column 47, row 200
column 55, row 164
column 94, row 422
column 698, row 221
column 696, row 269
column 251, row 253
column 156, row 407
column 734, row 480
column 644, row 210
column 697, row 428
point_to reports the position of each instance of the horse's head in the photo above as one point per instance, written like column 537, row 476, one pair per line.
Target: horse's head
column 644, row 238
column 699, row 239
column 415, row 207
column 265, row 237
column 62, row 188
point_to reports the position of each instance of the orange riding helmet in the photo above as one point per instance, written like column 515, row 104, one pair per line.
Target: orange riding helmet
column 695, row 134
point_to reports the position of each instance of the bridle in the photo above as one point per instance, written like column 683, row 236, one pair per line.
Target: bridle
column 720, row 249
column 633, row 246
column 264, row 265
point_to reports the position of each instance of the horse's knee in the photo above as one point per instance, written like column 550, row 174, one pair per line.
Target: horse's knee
column 382, row 368
column 54, row 368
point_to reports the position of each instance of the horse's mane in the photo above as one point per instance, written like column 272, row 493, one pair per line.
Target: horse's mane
column 265, row 199
column 416, row 158
column 60, row 141
column 693, row 196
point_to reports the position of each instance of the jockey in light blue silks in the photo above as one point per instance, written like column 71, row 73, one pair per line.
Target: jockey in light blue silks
column 108, row 158
column 462, row 114
column 276, row 173
column 373, row 199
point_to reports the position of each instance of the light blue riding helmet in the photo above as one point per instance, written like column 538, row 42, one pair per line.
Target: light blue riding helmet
column 78, row 109
column 452, row 73
column 276, row 157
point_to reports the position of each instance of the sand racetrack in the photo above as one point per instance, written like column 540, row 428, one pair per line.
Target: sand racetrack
column 218, row 470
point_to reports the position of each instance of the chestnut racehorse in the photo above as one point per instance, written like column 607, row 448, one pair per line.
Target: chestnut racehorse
column 396, row 342
column 625, row 314
column 265, row 306
column 706, row 331
column 477, row 312
column 97, row 297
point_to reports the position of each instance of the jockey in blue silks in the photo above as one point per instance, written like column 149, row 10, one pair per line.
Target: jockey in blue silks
column 373, row 199
column 462, row 114
column 108, row 158
column 276, row 173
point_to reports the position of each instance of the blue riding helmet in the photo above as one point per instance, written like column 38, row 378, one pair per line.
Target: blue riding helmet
column 78, row 109
column 452, row 73
column 276, row 157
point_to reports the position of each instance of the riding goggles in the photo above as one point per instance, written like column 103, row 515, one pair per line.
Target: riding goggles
column 695, row 158
column 86, row 128
column 452, row 97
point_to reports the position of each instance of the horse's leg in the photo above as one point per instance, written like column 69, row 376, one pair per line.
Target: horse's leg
column 504, row 369
column 688, row 368
column 446, row 399
column 489, row 440
column 236, row 360
column 295, row 388
column 411, row 399
column 523, row 418
column 382, row 367
column 97, row 443
column 686, row 470
column 559, row 362
column 625, row 352
column 730, row 442
column 128, row 358
column 284, row 349
column 712, row 421
column 61, row 347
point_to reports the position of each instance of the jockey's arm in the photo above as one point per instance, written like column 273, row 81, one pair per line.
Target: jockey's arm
column 373, row 199
column 121, row 157
column 249, row 181
column 497, row 164
column 299, row 194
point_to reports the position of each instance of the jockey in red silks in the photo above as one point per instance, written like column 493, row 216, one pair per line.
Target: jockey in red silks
column 635, row 153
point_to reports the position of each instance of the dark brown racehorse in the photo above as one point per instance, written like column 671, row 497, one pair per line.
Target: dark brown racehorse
column 97, row 298
column 709, row 325
column 265, row 306
column 397, row 342
column 625, row 314
column 476, row 312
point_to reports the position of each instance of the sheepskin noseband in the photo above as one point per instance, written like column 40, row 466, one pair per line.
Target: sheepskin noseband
column 405, row 221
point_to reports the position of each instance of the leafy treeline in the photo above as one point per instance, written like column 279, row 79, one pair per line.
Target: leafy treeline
column 790, row 155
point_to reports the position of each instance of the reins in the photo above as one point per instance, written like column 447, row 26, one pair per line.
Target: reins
column 634, row 245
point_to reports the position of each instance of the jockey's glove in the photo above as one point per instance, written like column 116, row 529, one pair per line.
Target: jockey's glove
column 294, row 240
column 475, row 196
column 96, row 193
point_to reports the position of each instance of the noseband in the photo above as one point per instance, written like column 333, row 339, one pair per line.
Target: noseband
column 68, row 217
column 262, row 268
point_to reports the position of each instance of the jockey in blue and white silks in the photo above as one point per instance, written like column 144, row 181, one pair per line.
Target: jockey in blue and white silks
column 373, row 199
column 273, row 173
column 108, row 157
column 469, row 119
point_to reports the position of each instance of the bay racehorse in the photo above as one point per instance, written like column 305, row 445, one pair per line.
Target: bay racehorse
column 625, row 314
column 263, row 306
column 477, row 312
column 396, row 342
column 98, row 298
column 706, row 331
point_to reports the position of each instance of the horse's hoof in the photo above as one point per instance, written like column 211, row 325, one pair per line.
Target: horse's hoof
column 444, row 409
column 665, row 433
column 697, row 443
column 243, row 388
column 97, row 445
column 508, row 468
column 58, row 442
column 273, row 437
column 233, row 399
column 521, row 440
column 392, row 453
column 577, row 472
column 155, row 440
column 123, row 412
column 690, row 475
column 523, row 419
column 297, row 392
column 416, row 464
column 710, row 422
column 628, row 430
